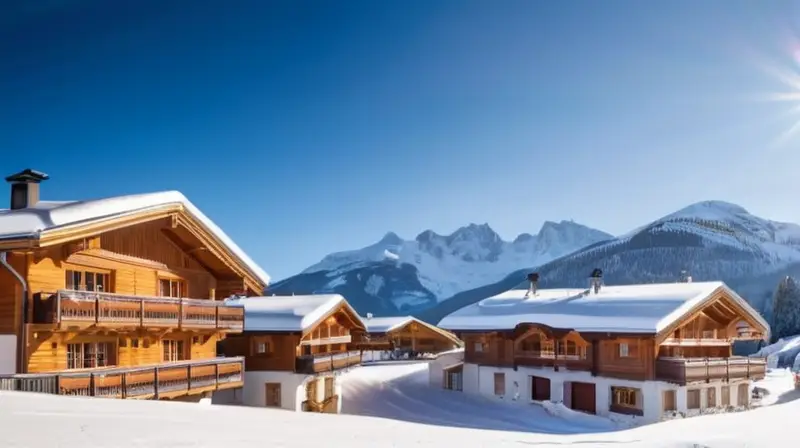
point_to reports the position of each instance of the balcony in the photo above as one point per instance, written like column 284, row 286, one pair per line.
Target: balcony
column 327, row 362
column 85, row 308
column 167, row 380
column 703, row 370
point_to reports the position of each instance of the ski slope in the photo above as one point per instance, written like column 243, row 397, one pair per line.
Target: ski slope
column 403, row 411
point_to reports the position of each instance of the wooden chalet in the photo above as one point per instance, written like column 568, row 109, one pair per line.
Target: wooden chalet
column 642, row 350
column 119, row 297
column 293, row 347
column 406, row 334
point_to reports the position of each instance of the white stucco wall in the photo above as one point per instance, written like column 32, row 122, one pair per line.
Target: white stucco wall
column 254, row 392
column 480, row 379
column 293, row 390
column 437, row 365
column 8, row 354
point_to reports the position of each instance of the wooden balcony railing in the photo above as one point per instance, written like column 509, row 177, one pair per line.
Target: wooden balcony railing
column 346, row 339
column 578, row 360
column 701, row 370
column 326, row 362
column 156, row 381
column 119, row 310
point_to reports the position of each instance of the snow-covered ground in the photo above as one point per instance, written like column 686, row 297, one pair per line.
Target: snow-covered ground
column 779, row 385
column 401, row 391
column 403, row 411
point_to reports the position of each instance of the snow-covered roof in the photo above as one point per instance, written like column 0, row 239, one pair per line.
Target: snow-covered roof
column 287, row 313
column 387, row 324
column 56, row 215
column 648, row 308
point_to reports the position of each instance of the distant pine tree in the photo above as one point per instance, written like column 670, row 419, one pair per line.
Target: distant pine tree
column 786, row 309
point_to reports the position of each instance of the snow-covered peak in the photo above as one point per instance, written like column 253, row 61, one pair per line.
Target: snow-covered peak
column 391, row 238
column 710, row 210
column 471, row 256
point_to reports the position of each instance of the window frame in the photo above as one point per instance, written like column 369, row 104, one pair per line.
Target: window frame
column 173, row 350
column 83, row 275
column 89, row 355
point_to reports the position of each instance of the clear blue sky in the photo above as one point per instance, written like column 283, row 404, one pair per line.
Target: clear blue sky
column 304, row 128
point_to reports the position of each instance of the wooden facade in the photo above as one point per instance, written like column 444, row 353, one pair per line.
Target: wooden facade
column 314, row 352
column 323, row 347
column 695, row 350
column 129, row 307
column 412, row 336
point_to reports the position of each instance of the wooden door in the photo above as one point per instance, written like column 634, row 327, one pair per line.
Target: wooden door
column 540, row 388
column 711, row 397
column 670, row 400
column 725, row 391
column 499, row 384
column 273, row 398
column 743, row 394
column 311, row 390
column 583, row 397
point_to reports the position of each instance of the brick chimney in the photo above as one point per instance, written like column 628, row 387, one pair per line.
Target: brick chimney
column 25, row 188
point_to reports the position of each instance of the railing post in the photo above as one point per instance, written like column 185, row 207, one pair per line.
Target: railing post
column 57, row 383
column 58, row 307
column 728, row 370
column 189, row 377
column 155, row 382
column 124, row 384
column 141, row 312
column 180, row 313
column 216, row 375
column 92, row 386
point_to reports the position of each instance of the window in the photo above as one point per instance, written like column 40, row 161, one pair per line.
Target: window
column 628, row 349
column 173, row 350
column 87, row 281
column 135, row 343
column 709, row 334
column 624, row 396
column 499, row 384
column 453, row 379
column 171, row 288
column 89, row 354
column 479, row 346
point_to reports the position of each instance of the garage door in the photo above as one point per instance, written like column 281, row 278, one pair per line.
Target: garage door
column 540, row 388
column 583, row 397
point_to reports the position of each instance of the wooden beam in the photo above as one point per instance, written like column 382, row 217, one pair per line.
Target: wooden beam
column 176, row 242
column 724, row 308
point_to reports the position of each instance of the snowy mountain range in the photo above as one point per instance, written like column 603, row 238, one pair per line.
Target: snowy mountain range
column 434, row 274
